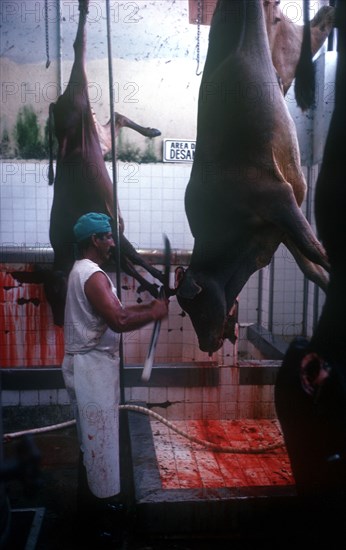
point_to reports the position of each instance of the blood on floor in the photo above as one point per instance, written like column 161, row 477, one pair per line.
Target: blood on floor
column 186, row 465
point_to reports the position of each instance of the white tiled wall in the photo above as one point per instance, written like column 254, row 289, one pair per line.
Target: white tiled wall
column 30, row 398
column 151, row 199
column 25, row 200
column 228, row 400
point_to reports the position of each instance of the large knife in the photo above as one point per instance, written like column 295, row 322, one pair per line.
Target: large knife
column 164, row 292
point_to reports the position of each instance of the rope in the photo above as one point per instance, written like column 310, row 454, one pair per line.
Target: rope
column 143, row 410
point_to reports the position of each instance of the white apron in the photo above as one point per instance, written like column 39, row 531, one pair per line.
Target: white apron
column 91, row 373
column 92, row 381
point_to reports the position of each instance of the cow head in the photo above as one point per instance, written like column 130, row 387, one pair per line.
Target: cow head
column 202, row 296
column 314, row 428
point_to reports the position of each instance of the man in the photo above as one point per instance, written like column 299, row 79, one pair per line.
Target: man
column 94, row 318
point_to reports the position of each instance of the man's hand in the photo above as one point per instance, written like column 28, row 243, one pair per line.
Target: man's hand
column 159, row 309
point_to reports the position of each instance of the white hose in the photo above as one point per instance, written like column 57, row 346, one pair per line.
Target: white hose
column 14, row 435
column 144, row 410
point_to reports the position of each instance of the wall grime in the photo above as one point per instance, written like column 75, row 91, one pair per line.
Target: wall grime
column 28, row 336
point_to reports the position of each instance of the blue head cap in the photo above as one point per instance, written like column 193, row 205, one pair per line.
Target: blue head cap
column 91, row 223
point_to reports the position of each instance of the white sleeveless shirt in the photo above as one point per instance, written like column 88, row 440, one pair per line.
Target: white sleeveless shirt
column 84, row 330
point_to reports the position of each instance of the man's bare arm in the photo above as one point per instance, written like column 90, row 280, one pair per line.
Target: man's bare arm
column 117, row 317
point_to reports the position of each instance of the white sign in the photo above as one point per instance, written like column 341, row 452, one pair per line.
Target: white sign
column 178, row 150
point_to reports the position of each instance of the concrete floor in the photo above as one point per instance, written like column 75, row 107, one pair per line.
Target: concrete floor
column 163, row 516
column 185, row 465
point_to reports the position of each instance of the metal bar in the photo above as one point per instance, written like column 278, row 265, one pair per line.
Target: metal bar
column 114, row 152
column 260, row 297
column 44, row 254
column 308, row 215
column 331, row 37
column 115, row 193
column 60, row 75
column 316, row 306
column 271, row 295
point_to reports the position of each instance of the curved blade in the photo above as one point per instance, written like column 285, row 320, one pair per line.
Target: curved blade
column 164, row 291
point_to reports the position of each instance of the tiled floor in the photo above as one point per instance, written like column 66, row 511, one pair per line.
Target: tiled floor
column 186, row 465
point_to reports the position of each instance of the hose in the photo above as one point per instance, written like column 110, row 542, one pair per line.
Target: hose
column 212, row 446
column 144, row 410
column 15, row 435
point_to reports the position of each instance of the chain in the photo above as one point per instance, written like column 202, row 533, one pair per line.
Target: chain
column 199, row 20
column 47, row 33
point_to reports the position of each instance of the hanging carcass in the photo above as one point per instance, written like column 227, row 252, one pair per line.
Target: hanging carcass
column 82, row 183
column 246, row 186
column 313, row 373
column 286, row 37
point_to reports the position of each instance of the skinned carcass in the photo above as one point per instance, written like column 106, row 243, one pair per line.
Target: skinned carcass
column 82, row 183
column 286, row 38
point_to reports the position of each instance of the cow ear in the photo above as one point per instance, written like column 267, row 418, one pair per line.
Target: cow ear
column 313, row 372
column 185, row 284
column 178, row 276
